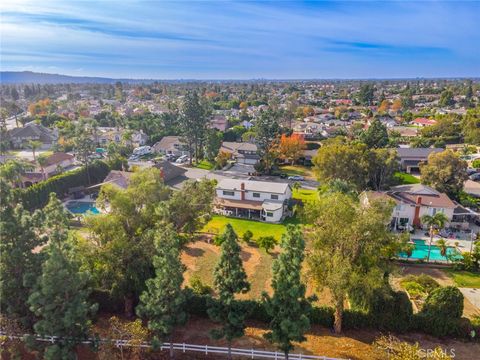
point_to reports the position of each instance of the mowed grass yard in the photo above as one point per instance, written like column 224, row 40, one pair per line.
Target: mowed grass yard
column 305, row 195
column 217, row 224
column 405, row 179
column 205, row 165
column 465, row 278
column 301, row 170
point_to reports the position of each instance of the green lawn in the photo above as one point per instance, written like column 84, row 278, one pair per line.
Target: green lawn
column 305, row 194
column 205, row 165
column 465, row 278
column 218, row 223
column 406, row 179
column 301, row 170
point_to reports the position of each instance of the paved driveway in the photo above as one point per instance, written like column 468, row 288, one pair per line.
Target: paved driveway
column 473, row 295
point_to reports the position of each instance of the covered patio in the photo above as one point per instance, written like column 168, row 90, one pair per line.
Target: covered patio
column 240, row 208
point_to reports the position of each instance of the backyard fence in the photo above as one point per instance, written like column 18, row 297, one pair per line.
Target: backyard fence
column 205, row 349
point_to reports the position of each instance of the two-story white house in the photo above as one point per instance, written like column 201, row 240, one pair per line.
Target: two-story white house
column 259, row 200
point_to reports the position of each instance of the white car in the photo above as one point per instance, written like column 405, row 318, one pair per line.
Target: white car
column 182, row 159
column 296, row 178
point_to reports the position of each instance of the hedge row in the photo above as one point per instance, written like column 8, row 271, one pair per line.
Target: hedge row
column 36, row 196
column 394, row 315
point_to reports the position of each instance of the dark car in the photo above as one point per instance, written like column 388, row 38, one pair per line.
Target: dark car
column 471, row 171
column 283, row 176
column 475, row 177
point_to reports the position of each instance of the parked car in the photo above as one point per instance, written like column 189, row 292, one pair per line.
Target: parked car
column 142, row 150
column 296, row 178
column 182, row 159
column 475, row 177
column 471, row 171
column 283, row 176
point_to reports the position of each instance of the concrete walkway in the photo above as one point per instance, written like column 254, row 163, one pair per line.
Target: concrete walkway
column 473, row 295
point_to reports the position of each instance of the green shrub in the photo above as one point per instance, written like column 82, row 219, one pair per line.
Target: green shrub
column 415, row 290
column 266, row 242
column 247, row 236
column 198, row 287
column 427, row 282
column 392, row 312
column 36, row 196
column 419, row 286
column 322, row 315
column 218, row 239
column 442, row 311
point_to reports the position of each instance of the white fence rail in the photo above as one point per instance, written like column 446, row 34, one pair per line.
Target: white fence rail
column 205, row 349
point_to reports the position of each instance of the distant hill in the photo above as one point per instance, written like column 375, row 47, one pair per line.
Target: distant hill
column 30, row 77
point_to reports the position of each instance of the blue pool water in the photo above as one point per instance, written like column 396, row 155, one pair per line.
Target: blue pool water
column 421, row 251
column 82, row 207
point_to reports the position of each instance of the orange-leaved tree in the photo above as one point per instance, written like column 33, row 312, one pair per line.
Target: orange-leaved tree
column 291, row 147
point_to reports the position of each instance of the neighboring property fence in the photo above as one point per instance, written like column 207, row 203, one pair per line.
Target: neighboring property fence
column 205, row 349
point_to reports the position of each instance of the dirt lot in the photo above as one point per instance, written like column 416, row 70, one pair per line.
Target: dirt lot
column 201, row 257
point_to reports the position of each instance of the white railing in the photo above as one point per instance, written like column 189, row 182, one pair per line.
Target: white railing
column 205, row 349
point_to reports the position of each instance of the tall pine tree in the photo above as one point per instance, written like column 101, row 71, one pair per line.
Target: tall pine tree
column 163, row 303
column 60, row 296
column 288, row 306
column 20, row 265
column 229, row 279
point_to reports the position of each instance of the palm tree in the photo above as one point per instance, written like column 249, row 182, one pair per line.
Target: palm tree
column 42, row 161
column 442, row 244
column 34, row 146
column 435, row 223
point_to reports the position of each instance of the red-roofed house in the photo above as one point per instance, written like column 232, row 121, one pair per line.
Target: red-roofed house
column 54, row 164
column 423, row 122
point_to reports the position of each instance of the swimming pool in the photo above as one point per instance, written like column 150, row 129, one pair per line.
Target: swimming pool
column 82, row 207
column 421, row 251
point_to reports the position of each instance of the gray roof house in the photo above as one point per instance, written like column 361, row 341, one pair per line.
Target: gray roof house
column 410, row 158
column 32, row 132
column 169, row 171
column 171, row 145
column 243, row 152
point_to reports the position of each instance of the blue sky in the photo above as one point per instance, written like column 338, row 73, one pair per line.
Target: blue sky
column 242, row 40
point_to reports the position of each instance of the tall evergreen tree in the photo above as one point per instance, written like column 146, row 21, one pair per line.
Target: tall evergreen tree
column 376, row 136
column 288, row 306
column 163, row 303
column 229, row 279
column 19, row 265
column 194, row 123
column 60, row 296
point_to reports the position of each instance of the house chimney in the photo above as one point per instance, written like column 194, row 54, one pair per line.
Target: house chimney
column 416, row 217
column 242, row 191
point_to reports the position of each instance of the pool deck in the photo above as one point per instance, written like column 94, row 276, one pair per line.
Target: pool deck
column 464, row 244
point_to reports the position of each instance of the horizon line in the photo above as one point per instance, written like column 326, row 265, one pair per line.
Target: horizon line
column 476, row 77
